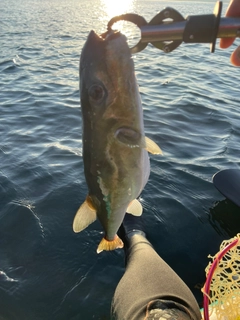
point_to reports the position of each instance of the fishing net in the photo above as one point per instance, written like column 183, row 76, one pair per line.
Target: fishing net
column 222, row 287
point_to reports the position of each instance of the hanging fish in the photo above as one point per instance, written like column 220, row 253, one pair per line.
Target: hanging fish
column 116, row 162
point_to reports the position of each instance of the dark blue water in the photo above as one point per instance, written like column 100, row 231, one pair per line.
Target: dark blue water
column 191, row 106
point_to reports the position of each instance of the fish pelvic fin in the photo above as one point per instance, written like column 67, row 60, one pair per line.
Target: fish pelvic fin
column 108, row 245
column 152, row 147
column 85, row 215
column 135, row 208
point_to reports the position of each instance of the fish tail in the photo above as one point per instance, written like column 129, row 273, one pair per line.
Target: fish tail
column 109, row 245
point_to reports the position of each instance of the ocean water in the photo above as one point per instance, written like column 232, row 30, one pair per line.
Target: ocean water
column 191, row 106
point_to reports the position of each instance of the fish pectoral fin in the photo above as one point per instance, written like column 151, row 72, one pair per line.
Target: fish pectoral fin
column 152, row 147
column 85, row 215
column 135, row 208
column 109, row 245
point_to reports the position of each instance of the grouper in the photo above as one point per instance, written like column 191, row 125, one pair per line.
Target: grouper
column 115, row 149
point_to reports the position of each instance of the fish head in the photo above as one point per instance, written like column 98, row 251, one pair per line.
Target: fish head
column 108, row 86
column 92, row 89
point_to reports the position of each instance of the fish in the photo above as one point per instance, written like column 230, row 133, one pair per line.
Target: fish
column 115, row 149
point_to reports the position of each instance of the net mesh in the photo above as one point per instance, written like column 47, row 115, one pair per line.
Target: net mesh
column 224, row 295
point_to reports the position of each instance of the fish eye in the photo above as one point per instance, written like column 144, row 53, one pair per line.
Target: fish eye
column 96, row 92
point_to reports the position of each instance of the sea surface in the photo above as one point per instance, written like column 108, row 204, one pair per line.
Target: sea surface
column 191, row 103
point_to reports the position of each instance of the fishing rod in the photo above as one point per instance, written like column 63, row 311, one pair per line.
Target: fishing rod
column 168, row 29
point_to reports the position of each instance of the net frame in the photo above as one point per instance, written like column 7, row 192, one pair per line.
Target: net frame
column 222, row 286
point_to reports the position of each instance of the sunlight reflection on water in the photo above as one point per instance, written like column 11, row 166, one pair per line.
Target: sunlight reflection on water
column 113, row 8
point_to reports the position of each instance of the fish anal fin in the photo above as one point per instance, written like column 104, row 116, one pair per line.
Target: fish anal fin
column 135, row 208
column 107, row 245
column 85, row 215
column 152, row 147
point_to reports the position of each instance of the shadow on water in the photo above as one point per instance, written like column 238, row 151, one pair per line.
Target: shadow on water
column 225, row 215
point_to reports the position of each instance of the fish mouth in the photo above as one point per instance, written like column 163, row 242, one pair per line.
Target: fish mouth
column 110, row 35
column 94, row 39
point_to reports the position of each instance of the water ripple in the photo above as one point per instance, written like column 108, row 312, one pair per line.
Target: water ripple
column 191, row 109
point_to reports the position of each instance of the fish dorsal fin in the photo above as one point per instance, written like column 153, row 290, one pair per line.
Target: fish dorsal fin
column 152, row 147
column 135, row 208
column 85, row 215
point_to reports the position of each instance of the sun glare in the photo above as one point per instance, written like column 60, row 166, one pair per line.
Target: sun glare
column 117, row 7
column 112, row 8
